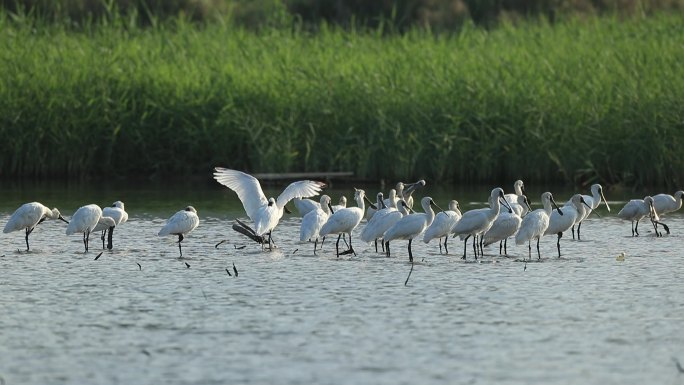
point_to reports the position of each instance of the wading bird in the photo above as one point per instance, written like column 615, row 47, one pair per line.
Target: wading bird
column 518, row 201
column 558, row 224
column 265, row 213
column 476, row 222
column 382, row 221
column 411, row 226
column 118, row 214
column 593, row 202
column 506, row 225
column 181, row 223
column 442, row 225
column 305, row 206
column 344, row 221
column 666, row 203
column 535, row 224
column 28, row 216
column 637, row 209
column 85, row 219
column 314, row 221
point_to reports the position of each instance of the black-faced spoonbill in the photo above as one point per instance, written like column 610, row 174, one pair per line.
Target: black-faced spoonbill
column 593, row 201
column 411, row 226
column 443, row 225
column 383, row 220
column 666, row 203
column 344, row 221
column 558, row 224
column 506, row 224
column 314, row 221
column 265, row 213
column 535, row 224
column 181, row 223
column 476, row 222
column 85, row 219
column 305, row 206
column 118, row 214
column 637, row 209
column 28, row 216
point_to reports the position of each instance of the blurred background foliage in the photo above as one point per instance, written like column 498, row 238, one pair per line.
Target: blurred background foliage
column 435, row 15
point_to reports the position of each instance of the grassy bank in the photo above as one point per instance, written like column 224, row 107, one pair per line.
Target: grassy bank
column 591, row 100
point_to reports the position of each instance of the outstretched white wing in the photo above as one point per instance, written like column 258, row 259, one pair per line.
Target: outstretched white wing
column 300, row 189
column 246, row 186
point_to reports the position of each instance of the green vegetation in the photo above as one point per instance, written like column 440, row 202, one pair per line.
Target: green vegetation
column 576, row 101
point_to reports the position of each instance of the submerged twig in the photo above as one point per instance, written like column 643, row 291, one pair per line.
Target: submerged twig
column 235, row 269
column 187, row 265
column 98, row 256
column 140, row 266
column 680, row 369
column 217, row 245
column 228, row 271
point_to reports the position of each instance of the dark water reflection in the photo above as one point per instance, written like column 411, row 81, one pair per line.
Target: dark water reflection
column 292, row 317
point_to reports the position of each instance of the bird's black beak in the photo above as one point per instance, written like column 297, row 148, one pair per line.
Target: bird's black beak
column 502, row 200
column 560, row 212
column 371, row 204
column 331, row 209
column 435, row 204
column 62, row 218
column 287, row 210
column 585, row 203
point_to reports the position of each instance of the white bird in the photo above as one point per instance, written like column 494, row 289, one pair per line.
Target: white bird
column 382, row 221
column 118, row 214
column 411, row 226
column 506, row 224
column 265, row 213
column 314, row 221
column 305, row 206
column 476, row 222
column 344, row 221
column 181, row 223
column 593, row 202
column 518, row 199
column 379, row 203
column 637, row 209
column 535, row 224
column 666, row 203
column 28, row 216
column 408, row 189
column 443, row 224
column 84, row 221
column 558, row 224
column 342, row 203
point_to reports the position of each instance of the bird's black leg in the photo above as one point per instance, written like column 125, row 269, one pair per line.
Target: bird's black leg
column 578, row 231
column 315, row 244
column 446, row 238
column 337, row 246
column 351, row 248
column 500, row 246
column 409, row 251
column 636, row 228
column 573, row 231
column 376, row 245
column 180, row 239
column 27, row 234
column 102, row 237
column 387, row 249
column 475, row 245
column 529, row 249
column 558, row 243
column 481, row 245
column 110, row 244
column 505, row 244
column 465, row 246
column 539, row 254
column 86, row 238
column 440, row 245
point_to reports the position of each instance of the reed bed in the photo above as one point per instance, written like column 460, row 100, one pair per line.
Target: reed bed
column 576, row 102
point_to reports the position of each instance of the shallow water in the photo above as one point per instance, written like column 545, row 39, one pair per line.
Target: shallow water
column 292, row 317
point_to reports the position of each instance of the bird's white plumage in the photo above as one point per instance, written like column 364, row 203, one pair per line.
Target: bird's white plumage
column 443, row 223
column 535, row 223
column 562, row 223
column 342, row 203
column 265, row 213
column 181, row 223
column 314, row 220
column 379, row 202
column 412, row 225
column 305, row 206
column 28, row 215
column 666, row 203
column 85, row 219
column 505, row 225
column 116, row 212
column 593, row 201
column 345, row 220
column 382, row 221
column 519, row 188
column 475, row 222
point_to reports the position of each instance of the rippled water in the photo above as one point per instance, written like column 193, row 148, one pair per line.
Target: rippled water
column 294, row 318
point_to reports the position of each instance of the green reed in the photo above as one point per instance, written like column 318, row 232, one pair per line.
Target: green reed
column 572, row 102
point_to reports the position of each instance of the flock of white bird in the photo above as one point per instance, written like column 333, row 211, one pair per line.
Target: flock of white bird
column 387, row 219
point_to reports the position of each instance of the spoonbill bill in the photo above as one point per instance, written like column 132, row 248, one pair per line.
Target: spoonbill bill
column 265, row 213
column 534, row 224
column 181, row 223
column 28, row 216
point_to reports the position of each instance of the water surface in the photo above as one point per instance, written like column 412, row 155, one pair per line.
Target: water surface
column 138, row 314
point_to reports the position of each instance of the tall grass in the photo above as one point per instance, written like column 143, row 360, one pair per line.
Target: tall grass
column 576, row 102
